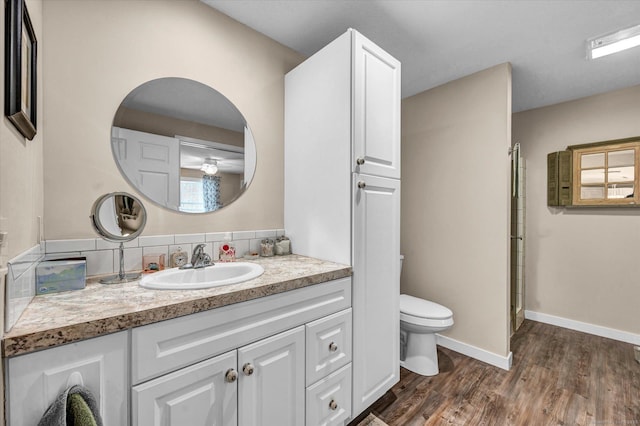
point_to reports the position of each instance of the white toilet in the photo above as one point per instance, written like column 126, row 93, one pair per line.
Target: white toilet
column 419, row 321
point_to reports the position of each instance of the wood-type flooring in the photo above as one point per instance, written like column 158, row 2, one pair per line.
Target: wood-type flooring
column 558, row 377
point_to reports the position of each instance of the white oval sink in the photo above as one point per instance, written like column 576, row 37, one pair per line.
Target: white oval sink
column 211, row 276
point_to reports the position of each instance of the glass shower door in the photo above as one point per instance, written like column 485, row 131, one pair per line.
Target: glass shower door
column 517, row 237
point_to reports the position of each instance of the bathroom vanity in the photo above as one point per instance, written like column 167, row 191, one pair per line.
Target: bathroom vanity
column 272, row 350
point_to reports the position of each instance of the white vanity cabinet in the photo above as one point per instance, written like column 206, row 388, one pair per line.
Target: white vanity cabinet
column 259, row 384
column 242, row 364
column 34, row 380
column 246, row 364
column 342, row 190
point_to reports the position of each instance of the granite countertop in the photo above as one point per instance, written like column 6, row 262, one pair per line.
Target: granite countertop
column 99, row 309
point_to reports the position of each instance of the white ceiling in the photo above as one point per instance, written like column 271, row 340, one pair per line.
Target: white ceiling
column 441, row 40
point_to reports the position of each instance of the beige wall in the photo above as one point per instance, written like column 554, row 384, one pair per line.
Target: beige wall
column 98, row 51
column 581, row 264
column 455, row 203
column 21, row 184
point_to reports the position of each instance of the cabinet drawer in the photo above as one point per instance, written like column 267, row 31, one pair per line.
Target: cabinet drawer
column 169, row 345
column 328, row 345
column 329, row 400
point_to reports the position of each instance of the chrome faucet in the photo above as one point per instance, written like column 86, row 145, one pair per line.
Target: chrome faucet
column 199, row 259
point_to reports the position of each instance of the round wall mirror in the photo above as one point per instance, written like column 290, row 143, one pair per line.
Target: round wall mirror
column 118, row 217
column 183, row 145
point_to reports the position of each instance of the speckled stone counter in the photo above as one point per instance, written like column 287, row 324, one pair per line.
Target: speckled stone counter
column 100, row 309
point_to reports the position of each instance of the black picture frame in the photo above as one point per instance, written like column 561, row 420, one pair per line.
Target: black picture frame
column 20, row 68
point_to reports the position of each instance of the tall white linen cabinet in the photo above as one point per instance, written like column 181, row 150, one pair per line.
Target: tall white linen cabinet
column 342, row 191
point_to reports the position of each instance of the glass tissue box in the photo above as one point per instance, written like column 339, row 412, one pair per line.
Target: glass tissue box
column 53, row 276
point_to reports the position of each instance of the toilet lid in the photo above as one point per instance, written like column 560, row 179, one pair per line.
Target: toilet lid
column 421, row 308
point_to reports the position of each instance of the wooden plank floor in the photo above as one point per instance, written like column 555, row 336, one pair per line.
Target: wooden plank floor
column 558, row 377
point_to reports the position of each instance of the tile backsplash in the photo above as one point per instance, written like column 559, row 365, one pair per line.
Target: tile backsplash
column 102, row 258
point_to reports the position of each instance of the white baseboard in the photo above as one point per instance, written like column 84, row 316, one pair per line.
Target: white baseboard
column 496, row 360
column 610, row 333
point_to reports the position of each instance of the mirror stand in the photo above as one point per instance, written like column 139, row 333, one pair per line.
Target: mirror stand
column 121, row 277
column 119, row 217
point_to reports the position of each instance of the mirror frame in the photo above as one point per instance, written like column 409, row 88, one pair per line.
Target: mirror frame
column 102, row 231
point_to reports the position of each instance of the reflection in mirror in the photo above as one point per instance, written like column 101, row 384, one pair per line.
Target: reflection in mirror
column 606, row 173
column 118, row 217
column 183, row 145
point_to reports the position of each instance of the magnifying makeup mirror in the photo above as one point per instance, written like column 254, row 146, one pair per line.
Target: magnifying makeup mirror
column 119, row 217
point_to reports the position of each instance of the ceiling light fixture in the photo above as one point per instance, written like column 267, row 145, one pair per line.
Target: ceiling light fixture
column 613, row 42
column 210, row 167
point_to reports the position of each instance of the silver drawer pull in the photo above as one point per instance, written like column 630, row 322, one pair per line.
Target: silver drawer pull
column 362, row 184
column 247, row 369
column 333, row 405
column 333, row 347
column 231, row 375
column 360, row 161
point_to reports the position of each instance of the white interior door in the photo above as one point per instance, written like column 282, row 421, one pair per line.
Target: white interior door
column 376, row 288
column 151, row 162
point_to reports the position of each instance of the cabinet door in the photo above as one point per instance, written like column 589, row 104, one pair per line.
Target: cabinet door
column 203, row 394
column 376, row 112
column 271, row 386
column 36, row 379
column 376, row 288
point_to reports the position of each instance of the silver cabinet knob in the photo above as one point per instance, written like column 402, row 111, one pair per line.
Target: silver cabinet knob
column 333, row 404
column 247, row 369
column 333, row 347
column 360, row 161
column 231, row 375
column 362, row 184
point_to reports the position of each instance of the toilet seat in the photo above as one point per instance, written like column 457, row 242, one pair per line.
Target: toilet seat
column 414, row 310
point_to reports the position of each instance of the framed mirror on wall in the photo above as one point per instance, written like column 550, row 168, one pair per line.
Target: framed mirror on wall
column 606, row 174
column 183, row 145
column 599, row 174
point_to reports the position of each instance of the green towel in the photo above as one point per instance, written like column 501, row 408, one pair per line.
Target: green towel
column 75, row 406
column 78, row 412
